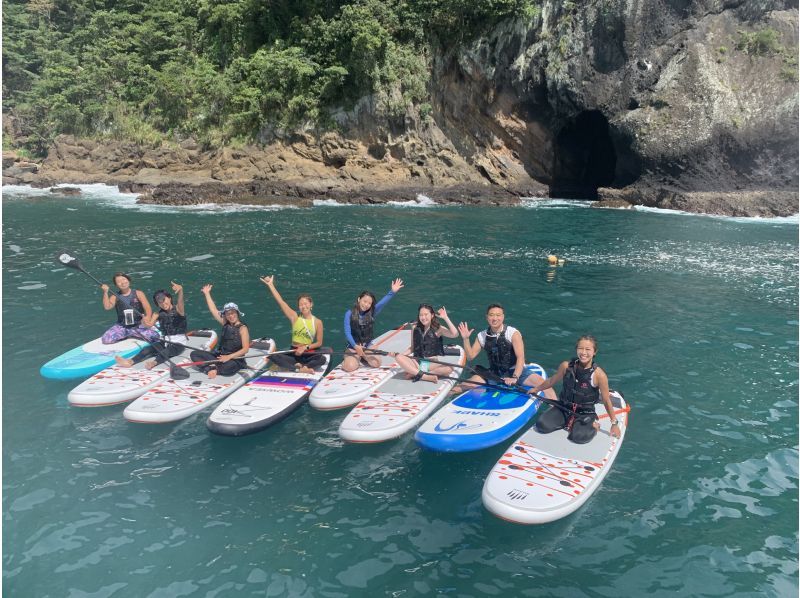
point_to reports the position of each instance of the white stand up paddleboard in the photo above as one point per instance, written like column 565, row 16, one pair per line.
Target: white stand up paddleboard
column 399, row 404
column 119, row 384
column 479, row 418
column 342, row 389
column 89, row 358
column 173, row 400
column 264, row 401
column 544, row 477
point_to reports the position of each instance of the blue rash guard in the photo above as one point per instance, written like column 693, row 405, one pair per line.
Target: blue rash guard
column 348, row 333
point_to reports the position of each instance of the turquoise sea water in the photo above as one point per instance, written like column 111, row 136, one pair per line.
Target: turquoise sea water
column 697, row 319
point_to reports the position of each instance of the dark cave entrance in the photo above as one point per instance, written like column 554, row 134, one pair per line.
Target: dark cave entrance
column 584, row 159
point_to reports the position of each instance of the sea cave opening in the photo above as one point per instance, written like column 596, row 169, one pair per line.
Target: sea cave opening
column 584, row 157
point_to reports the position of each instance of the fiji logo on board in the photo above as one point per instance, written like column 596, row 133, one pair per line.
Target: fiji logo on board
column 517, row 494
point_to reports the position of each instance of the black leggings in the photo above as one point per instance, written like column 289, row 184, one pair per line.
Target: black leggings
column 157, row 351
column 288, row 361
column 553, row 419
column 223, row 369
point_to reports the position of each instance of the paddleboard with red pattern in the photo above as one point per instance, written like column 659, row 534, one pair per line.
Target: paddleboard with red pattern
column 544, row 477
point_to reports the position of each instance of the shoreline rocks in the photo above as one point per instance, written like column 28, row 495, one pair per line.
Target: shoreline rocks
column 160, row 179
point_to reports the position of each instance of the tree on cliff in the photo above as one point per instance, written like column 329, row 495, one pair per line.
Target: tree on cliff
column 217, row 69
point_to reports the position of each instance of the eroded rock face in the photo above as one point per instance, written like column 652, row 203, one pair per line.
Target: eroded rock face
column 646, row 96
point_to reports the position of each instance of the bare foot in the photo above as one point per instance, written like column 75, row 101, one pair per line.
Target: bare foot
column 212, row 373
column 429, row 378
column 596, row 425
column 149, row 364
column 126, row 363
column 305, row 370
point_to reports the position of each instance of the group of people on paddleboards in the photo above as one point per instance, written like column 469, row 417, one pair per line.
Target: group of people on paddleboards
column 584, row 382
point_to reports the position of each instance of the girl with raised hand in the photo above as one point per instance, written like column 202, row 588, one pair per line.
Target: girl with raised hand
column 307, row 332
column 426, row 335
column 359, row 330
column 585, row 384
column 234, row 340
column 133, row 312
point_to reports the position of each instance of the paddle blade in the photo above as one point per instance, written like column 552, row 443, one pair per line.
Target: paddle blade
column 66, row 258
column 178, row 373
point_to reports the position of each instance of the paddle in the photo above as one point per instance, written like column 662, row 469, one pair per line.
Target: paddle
column 320, row 351
column 492, row 381
column 175, row 372
column 507, row 388
column 478, row 369
column 68, row 259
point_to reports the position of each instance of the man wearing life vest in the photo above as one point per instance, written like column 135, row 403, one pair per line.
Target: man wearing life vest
column 504, row 348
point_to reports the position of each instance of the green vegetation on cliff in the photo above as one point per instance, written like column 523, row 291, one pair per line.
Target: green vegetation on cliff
column 220, row 69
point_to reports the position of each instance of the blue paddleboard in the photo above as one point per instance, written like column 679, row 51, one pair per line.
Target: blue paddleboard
column 479, row 418
column 89, row 358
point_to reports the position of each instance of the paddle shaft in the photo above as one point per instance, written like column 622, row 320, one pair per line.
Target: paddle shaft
column 245, row 357
column 515, row 388
column 483, row 372
column 175, row 371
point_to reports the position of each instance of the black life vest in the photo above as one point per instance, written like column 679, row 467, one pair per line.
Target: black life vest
column 361, row 327
column 230, row 340
column 130, row 302
column 577, row 388
column 427, row 344
column 502, row 358
column 171, row 322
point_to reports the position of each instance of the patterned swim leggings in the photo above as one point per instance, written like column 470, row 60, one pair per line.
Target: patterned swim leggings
column 118, row 332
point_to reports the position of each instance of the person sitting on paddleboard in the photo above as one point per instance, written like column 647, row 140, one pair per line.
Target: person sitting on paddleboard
column 585, row 383
column 359, row 327
column 234, row 340
column 426, row 336
column 133, row 312
column 172, row 323
column 504, row 348
column 306, row 332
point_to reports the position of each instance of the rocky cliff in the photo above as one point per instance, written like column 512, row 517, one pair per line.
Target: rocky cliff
column 670, row 103
column 661, row 102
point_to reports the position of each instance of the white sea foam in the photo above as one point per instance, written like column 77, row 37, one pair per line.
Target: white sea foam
column 535, row 202
column 210, row 208
column 88, row 190
column 421, row 201
column 794, row 219
column 200, row 258
column 111, row 196
column 541, row 202
column 328, row 203
column 15, row 248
